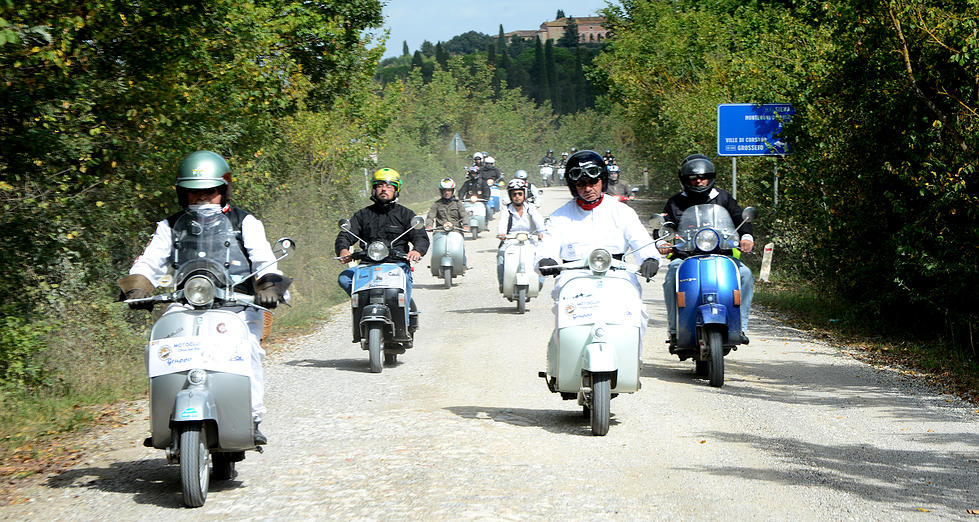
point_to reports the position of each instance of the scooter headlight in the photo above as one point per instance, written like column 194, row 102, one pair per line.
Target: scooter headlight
column 707, row 240
column 599, row 333
column 197, row 376
column 447, row 226
column 377, row 251
column 473, row 199
column 599, row 260
column 199, row 290
column 522, row 236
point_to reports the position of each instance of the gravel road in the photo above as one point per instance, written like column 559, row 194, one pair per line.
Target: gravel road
column 462, row 428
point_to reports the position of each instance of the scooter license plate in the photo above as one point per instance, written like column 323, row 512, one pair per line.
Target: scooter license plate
column 180, row 354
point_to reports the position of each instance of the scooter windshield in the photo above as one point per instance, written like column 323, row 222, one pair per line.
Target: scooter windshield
column 699, row 217
column 205, row 241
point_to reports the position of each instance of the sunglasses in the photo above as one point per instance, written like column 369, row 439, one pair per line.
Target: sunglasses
column 592, row 171
column 698, row 176
column 204, row 191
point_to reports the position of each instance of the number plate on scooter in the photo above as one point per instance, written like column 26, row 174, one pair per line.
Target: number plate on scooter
column 180, row 354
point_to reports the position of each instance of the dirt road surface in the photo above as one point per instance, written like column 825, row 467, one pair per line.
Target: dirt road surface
column 463, row 428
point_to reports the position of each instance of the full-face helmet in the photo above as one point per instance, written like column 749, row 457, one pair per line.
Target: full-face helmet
column 696, row 166
column 203, row 170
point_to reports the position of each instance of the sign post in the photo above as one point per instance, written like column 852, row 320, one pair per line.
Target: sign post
column 750, row 129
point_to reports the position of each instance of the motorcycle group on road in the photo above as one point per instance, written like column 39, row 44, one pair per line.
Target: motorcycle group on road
column 204, row 356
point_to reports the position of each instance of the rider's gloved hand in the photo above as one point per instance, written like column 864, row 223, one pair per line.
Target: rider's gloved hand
column 271, row 289
column 136, row 286
column 649, row 268
column 543, row 265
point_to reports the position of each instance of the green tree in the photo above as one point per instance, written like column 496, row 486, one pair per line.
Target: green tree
column 542, row 87
column 441, row 56
column 559, row 15
column 404, row 48
column 570, row 37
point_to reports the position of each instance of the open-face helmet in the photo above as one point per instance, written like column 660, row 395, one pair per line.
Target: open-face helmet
column 520, row 174
column 517, row 184
column 585, row 163
column 203, row 170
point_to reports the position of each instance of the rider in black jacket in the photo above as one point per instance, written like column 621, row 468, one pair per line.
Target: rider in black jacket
column 384, row 220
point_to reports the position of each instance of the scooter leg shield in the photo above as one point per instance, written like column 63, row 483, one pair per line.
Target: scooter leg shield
column 598, row 357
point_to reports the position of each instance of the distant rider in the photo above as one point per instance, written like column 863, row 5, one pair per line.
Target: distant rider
column 520, row 217
column 609, row 158
column 697, row 175
column 591, row 221
column 204, row 186
column 548, row 158
column 447, row 209
column 489, row 172
column 474, row 186
column 531, row 188
column 617, row 187
column 384, row 220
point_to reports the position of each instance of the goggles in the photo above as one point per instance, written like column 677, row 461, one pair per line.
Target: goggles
column 592, row 171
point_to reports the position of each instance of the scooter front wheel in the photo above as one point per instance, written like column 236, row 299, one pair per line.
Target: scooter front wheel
column 521, row 300
column 447, row 277
column 375, row 337
column 195, row 464
column 715, row 371
column 601, row 396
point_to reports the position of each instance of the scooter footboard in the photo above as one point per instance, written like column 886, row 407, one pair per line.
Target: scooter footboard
column 224, row 400
column 568, row 355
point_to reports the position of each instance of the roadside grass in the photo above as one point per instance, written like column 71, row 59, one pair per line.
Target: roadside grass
column 802, row 304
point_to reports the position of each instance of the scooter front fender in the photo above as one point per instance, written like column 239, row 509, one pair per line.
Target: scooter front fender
column 446, row 261
column 598, row 357
column 194, row 404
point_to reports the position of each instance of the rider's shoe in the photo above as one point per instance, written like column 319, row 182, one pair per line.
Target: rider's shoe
column 260, row 438
column 672, row 342
column 744, row 339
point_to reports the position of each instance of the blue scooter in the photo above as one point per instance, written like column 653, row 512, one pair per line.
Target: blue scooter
column 383, row 321
column 708, row 288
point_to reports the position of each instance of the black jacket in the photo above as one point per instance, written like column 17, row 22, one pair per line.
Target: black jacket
column 384, row 222
column 477, row 186
column 680, row 202
column 488, row 172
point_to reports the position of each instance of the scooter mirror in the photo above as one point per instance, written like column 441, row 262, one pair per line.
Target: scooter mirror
column 284, row 245
column 344, row 224
column 656, row 221
column 749, row 214
column 635, row 190
column 668, row 229
column 417, row 222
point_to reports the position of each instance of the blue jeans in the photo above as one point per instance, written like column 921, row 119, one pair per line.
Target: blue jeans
column 346, row 281
column 669, row 293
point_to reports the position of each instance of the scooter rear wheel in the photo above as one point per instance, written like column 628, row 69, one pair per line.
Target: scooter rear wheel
column 447, row 277
column 195, row 464
column 600, row 398
column 375, row 338
column 715, row 372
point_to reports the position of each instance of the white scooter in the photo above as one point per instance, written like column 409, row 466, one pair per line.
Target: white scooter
column 520, row 282
column 594, row 351
column 199, row 363
column 448, row 253
column 477, row 215
column 546, row 175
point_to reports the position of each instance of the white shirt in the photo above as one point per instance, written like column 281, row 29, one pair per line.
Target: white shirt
column 155, row 261
column 572, row 232
column 531, row 221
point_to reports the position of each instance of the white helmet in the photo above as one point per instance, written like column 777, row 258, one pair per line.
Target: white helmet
column 490, row 160
column 520, row 174
column 478, row 155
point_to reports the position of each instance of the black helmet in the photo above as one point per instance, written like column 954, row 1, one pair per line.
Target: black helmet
column 585, row 163
column 693, row 166
column 608, row 151
column 574, row 150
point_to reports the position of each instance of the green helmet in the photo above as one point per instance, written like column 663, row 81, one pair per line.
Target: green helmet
column 202, row 169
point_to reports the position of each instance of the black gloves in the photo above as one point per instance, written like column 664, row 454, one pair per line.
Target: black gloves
column 649, row 268
column 271, row 289
column 136, row 286
column 543, row 265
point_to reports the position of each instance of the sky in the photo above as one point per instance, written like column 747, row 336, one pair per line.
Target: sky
column 415, row 21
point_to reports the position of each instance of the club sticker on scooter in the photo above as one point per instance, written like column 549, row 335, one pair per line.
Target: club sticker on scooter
column 190, row 414
column 214, row 353
column 379, row 276
column 609, row 303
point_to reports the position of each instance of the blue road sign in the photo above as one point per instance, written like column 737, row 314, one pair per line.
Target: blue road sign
column 750, row 129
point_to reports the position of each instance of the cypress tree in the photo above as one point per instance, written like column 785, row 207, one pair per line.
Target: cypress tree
column 551, row 71
column 501, row 42
column 541, row 87
column 404, row 48
column 442, row 56
column 491, row 54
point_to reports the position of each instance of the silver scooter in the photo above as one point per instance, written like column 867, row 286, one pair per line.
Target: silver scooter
column 448, row 253
column 199, row 363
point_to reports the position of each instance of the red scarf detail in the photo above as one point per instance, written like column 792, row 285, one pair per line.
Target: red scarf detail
column 589, row 206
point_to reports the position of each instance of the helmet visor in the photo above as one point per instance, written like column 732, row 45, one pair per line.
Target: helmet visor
column 591, row 171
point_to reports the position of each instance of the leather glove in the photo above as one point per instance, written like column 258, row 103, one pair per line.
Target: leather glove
column 271, row 289
column 649, row 268
column 136, row 286
column 543, row 265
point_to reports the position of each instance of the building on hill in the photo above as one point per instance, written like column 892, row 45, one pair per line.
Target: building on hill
column 591, row 29
column 521, row 35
